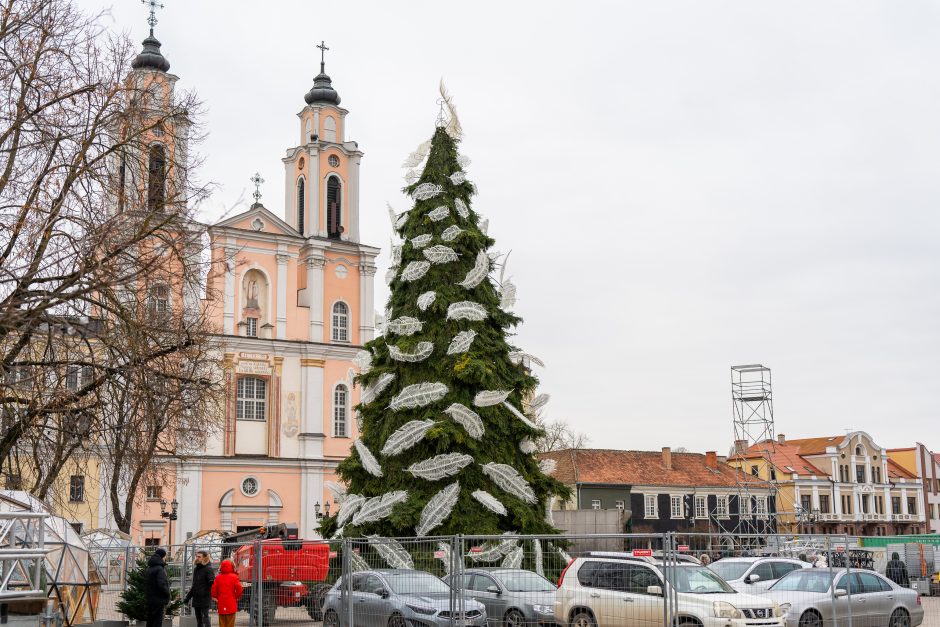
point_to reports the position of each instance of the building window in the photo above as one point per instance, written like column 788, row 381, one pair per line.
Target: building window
column 773, row 473
column 251, row 399
column 933, row 511
column 340, row 322
column 250, row 486
column 301, row 204
column 619, row 505
column 159, row 301
column 154, row 492
column 71, row 377
column 912, row 505
column 334, row 207
column 340, row 411
column 77, row 527
column 866, row 508
column 650, row 506
column 77, row 488
column 859, row 474
column 846, row 504
column 760, row 506
column 877, row 471
column 823, row 503
column 755, row 471
column 701, row 507
column 806, row 503
column 156, row 178
column 13, row 481
column 721, row 507
column 895, row 504
column 675, row 506
column 595, row 504
column 745, row 506
column 858, row 451
column 251, row 327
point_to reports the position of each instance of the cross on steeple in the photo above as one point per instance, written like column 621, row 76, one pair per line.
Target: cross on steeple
column 257, row 180
column 154, row 5
column 323, row 48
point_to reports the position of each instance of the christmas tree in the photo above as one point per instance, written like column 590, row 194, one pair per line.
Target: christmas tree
column 133, row 603
column 447, row 437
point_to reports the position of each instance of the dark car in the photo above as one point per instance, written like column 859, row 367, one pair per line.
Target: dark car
column 513, row 596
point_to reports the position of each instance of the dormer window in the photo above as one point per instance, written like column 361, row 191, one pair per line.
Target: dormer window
column 334, row 207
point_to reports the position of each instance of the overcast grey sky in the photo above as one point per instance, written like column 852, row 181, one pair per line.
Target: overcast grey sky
column 684, row 185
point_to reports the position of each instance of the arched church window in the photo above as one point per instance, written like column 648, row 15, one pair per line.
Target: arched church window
column 329, row 129
column 334, row 207
column 858, row 450
column 156, row 178
column 301, row 204
column 340, row 411
column 251, row 398
column 340, row 322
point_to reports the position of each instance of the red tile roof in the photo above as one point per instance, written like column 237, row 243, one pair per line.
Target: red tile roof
column 606, row 466
column 786, row 457
column 897, row 471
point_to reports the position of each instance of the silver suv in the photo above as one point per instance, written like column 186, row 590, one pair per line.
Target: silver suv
column 602, row 591
column 755, row 574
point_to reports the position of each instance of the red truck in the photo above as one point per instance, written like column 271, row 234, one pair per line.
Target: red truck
column 293, row 571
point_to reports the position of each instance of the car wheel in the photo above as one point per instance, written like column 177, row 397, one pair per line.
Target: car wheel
column 514, row 618
column 810, row 619
column 330, row 619
column 583, row 619
column 899, row 618
column 396, row 620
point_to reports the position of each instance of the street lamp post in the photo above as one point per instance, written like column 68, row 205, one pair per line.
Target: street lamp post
column 321, row 515
column 170, row 515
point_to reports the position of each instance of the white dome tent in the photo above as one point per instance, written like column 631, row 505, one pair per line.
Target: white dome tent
column 68, row 573
column 111, row 551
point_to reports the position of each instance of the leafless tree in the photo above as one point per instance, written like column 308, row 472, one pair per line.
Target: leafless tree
column 560, row 435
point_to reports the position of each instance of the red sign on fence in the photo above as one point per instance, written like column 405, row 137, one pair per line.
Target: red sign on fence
column 439, row 554
column 476, row 549
column 642, row 552
column 684, row 548
column 332, row 554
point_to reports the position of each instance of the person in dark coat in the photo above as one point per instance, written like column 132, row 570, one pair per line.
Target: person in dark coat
column 156, row 588
column 896, row 571
column 200, row 593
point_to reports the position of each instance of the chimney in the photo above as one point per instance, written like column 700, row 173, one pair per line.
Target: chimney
column 740, row 447
column 711, row 459
column 667, row 457
column 781, row 439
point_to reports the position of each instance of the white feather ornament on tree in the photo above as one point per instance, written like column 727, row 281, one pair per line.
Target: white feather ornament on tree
column 351, row 377
column 406, row 436
column 440, row 254
column 463, row 161
column 338, row 490
column 548, row 465
column 439, row 213
column 426, row 300
column 461, row 342
column 521, row 357
column 426, row 190
column 418, row 395
column 358, row 417
column 521, row 416
column 372, row 391
column 539, row 402
column 357, row 563
column 415, row 158
column 405, row 325
column 507, row 297
column 368, row 459
column 451, row 233
column 452, row 125
column 549, row 518
column 420, row 241
column 527, row 446
column 481, row 268
column 466, row 418
column 489, row 501
column 508, row 478
column 537, row 550
column 466, row 310
column 396, row 255
column 438, row 509
column 484, row 225
column 415, row 270
column 490, row 553
column 390, row 275
column 440, row 466
column 350, row 506
column 411, row 176
column 567, row 558
column 488, row 398
column 363, row 361
column 457, row 178
column 398, row 219
column 514, row 559
column 462, row 209
column 421, row 352
column 379, row 507
column 392, row 552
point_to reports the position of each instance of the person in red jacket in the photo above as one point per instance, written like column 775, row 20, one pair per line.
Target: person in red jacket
column 227, row 590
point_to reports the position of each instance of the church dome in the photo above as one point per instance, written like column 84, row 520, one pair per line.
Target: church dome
column 150, row 57
column 322, row 90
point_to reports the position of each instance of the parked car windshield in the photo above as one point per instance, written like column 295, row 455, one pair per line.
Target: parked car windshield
column 804, row 580
column 416, row 582
column 525, row 582
column 698, row 580
column 730, row 570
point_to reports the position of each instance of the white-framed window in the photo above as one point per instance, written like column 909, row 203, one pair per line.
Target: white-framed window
column 251, row 327
column 341, row 411
column 619, row 505
column 675, row 506
column 760, row 506
column 340, row 322
column 71, row 377
column 701, row 506
column 77, row 488
column 251, row 399
column 650, row 507
column 159, row 299
column 250, row 486
column 154, row 492
column 596, row 504
column 721, row 507
column 744, row 505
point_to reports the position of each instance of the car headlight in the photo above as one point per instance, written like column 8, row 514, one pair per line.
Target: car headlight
column 723, row 609
column 544, row 609
column 420, row 609
column 781, row 609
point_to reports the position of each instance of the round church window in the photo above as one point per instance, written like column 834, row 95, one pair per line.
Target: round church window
column 250, row 486
column 333, row 161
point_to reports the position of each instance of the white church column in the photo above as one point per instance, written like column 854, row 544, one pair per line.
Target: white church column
column 315, row 296
column 189, row 495
column 313, row 194
column 228, row 296
column 352, row 195
column 311, row 400
column 366, row 302
column 281, row 325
